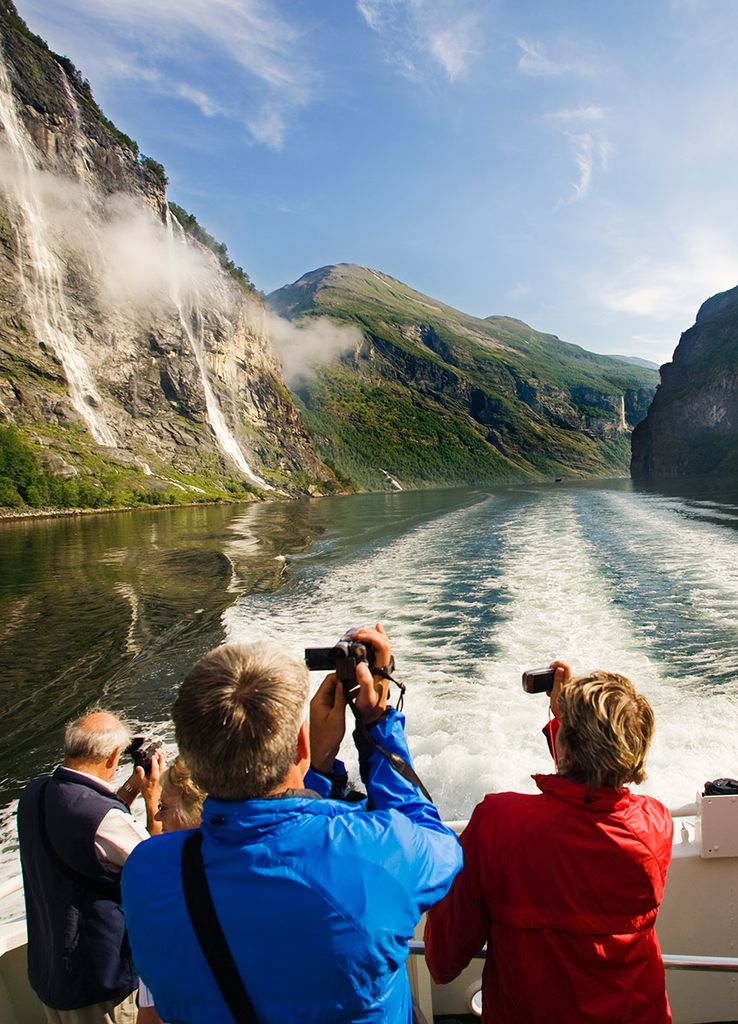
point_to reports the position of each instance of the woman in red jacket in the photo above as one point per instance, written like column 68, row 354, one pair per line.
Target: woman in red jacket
column 564, row 886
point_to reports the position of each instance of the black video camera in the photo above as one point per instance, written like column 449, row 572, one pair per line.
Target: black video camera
column 539, row 680
column 142, row 750
column 342, row 658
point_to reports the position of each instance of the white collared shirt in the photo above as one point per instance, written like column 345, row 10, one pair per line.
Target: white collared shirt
column 118, row 833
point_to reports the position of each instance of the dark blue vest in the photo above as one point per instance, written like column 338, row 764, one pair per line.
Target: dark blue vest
column 78, row 952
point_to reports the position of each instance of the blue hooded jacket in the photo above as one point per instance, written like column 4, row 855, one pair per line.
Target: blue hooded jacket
column 317, row 900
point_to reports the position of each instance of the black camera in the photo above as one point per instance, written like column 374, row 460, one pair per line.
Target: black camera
column 342, row 658
column 539, row 680
column 142, row 750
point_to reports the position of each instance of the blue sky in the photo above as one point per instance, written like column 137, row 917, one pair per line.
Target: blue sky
column 570, row 163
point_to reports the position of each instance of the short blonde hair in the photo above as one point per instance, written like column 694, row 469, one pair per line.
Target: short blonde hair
column 606, row 727
column 237, row 717
column 177, row 778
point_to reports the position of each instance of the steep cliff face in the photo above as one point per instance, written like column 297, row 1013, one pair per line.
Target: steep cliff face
column 125, row 349
column 433, row 395
column 692, row 424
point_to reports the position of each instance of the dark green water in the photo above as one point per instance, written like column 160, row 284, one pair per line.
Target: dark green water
column 114, row 608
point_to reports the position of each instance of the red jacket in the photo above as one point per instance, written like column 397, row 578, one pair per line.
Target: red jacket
column 564, row 887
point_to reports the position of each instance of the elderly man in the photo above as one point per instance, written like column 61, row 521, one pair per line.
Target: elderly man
column 285, row 906
column 75, row 833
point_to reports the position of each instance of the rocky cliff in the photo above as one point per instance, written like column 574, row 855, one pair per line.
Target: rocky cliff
column 127, row 351
column 692, row 424
column 431, row 395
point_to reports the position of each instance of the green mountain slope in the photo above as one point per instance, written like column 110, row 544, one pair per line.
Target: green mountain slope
column 435, row 396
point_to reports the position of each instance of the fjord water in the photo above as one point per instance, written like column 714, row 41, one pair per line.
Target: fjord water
column 473, row 586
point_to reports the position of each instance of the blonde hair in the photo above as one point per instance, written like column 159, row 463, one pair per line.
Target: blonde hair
column 237, row 717
column 190, row 797
column 606, row 727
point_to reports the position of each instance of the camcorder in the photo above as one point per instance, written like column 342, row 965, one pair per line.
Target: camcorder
column 141, row 750
column 342, row 658
column 539, row 680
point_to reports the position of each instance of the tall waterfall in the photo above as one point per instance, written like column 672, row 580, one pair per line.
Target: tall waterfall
column 42, row 280
column 190, row 318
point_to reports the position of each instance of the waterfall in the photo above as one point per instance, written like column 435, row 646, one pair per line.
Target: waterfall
column 42, row 282
column 190, row 318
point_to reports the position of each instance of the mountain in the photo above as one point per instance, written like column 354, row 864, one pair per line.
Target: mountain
column 692, row 425
column 432, row 395
column 134, row 355
column 636, row 361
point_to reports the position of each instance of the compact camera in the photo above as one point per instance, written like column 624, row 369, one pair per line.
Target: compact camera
column 142, row 750
column 342, row 658
column 538, row 680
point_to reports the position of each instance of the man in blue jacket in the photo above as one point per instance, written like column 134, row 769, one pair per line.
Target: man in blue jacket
column 314, row 899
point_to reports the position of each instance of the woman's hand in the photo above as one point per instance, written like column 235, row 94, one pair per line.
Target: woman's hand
column 562, row 675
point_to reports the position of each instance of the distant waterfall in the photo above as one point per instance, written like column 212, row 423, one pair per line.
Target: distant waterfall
column 43, row 280
column 190, row 318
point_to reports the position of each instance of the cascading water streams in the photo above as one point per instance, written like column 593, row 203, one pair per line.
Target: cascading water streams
column 191, row 320
column 43, row 282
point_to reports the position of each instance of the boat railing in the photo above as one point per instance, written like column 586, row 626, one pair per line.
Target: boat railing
column 672, row 961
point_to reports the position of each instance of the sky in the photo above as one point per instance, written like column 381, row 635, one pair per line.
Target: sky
column 569, row 163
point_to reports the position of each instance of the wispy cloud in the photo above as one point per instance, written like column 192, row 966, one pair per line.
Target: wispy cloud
column 585, row 112
column 583, row 127
column 590, row 153
column 171, row 45
column 535, row 61
column 268, row 127
column 448, row 34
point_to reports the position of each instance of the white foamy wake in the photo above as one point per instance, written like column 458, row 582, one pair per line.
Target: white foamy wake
column 472, row 599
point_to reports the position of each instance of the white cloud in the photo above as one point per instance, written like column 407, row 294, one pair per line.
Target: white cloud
column 584, row 112
column 304, row 345
column 122, row 68
column 583, row 127
column 207, row 106
column 170, row 44
column 454, row 47
column 662, row 289
column 417, row 31
column 590, row 153
column 373, row 12
column 268, row 128
column 536, row 62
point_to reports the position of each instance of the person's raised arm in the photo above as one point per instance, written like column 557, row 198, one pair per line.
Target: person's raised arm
column 458, row 926
column 380, row 740
column 150, row 788
column 562, row 675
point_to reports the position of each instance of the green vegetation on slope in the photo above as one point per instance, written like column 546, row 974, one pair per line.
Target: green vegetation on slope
column 460, row 400
column 26, row 481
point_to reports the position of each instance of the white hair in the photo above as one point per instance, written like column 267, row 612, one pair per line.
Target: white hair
column 83, row 741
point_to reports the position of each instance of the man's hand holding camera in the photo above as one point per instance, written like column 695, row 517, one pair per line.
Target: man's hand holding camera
column 373, row 688
column 369, row 691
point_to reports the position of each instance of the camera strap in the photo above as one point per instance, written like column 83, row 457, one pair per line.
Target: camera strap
column 401, row 766
column 209, row 932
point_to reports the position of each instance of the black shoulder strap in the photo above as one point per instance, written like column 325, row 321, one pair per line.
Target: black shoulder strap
column 108, row 889
column 207, row 928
